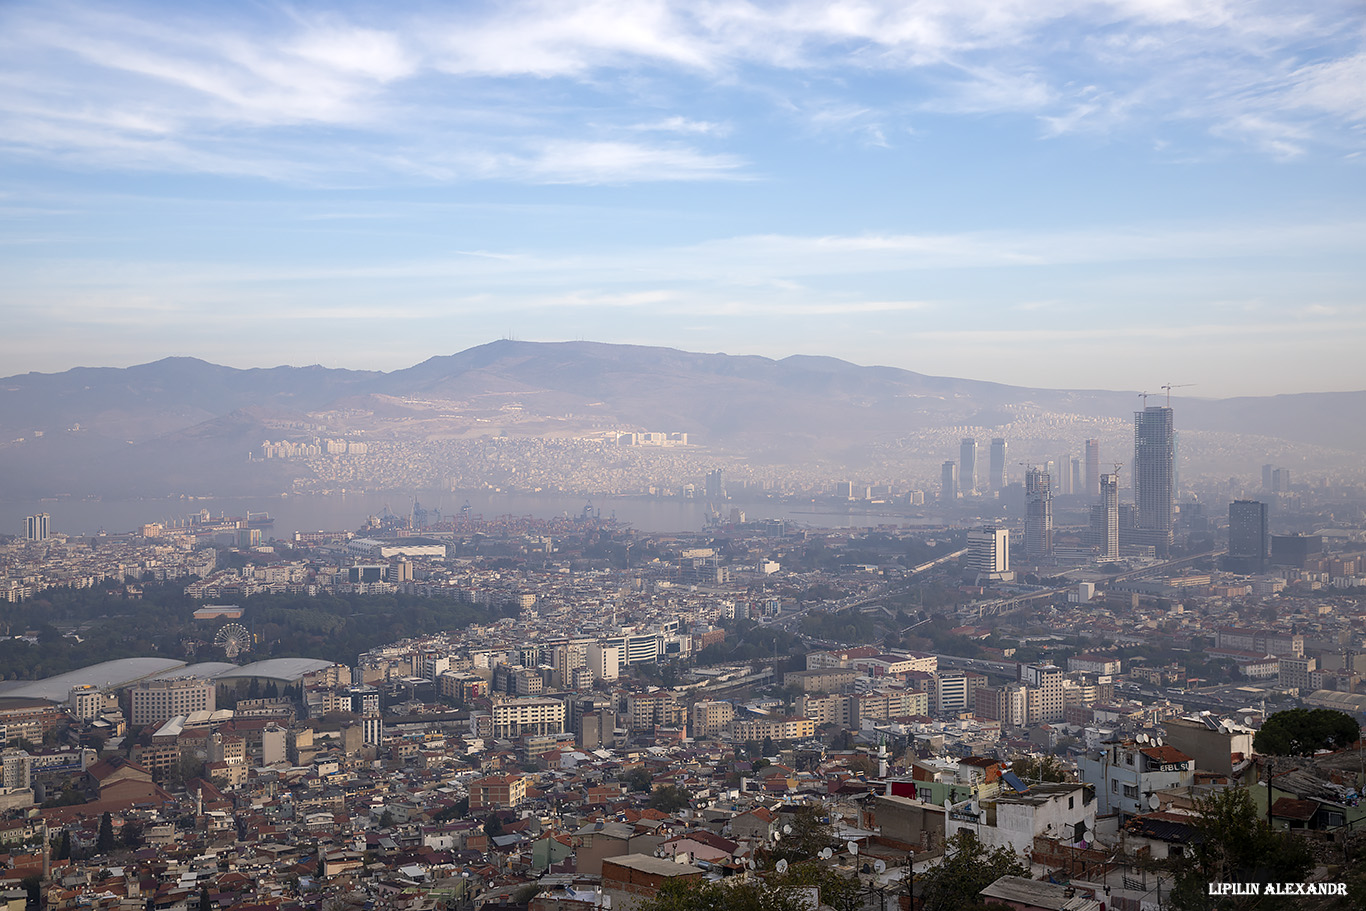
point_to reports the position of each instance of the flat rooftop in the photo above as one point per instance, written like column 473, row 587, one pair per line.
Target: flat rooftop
column 106, row 675
column 285, row 669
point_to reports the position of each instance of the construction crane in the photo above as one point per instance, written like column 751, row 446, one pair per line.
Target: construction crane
column 1169, row 387
column 1144, row 397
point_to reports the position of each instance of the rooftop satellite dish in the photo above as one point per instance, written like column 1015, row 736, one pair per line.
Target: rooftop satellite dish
column 781, row 866
column 787, row 830
column 1157, row 741
column 827, row 853
column 879, row 866
column 777, row 836
column 1153, row 802
column 853, row 848
column 1142, row 738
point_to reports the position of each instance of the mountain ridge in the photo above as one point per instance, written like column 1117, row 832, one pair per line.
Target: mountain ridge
column 138, row 427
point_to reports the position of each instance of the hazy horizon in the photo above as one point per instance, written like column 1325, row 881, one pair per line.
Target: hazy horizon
column 1159, row 394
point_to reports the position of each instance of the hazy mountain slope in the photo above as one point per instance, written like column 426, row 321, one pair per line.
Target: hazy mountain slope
column 155, row 398
column 182, row 424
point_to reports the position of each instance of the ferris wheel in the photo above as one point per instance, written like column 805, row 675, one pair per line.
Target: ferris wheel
column 233, row 639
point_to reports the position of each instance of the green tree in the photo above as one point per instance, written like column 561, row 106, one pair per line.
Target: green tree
column 770, row 893
column 1046, row 768
column 187, row 768
column 68, row 798
column 33, row 885
column 458, row 810
column 132, row 834
column 638, row 779
column 1303, row 732
column 836, row 889
column 1234, row 844
column 668, row 798
column 800, row 839
column 104, row 843
column 526, row 893
column 493, row 826
column 968, row 867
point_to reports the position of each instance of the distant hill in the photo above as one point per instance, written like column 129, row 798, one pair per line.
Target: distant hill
column 179, row 423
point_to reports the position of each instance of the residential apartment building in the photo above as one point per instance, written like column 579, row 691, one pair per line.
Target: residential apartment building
column 155, row 701
column 710, row 719
column 832, row 708
column 1265, row 642
column 1007, row 704
column 773, row 728
column 86, row 701
column 1126, row 774
column 604, row 661
column 1045, row 693
column 1093, row 664
column 514, row 718
column 497, row 792
column 851, row 710
column 821, row 680
column 1014, row 819
column 647, row 711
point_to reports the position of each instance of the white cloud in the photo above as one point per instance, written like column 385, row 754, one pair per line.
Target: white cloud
column 367, row 52
column 549, row 39
column 458, row 93
column 768, row 268
column 685, row 126
column 1282, row 140
column 1337, row 87
column 582, row 162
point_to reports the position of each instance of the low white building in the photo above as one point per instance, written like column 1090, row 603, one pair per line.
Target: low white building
column 1014, row 819
column 1126, row 774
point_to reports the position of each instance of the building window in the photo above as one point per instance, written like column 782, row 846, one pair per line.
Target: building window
column 1131, row 791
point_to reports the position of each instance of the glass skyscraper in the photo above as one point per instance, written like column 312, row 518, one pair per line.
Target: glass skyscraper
column 1154, row 476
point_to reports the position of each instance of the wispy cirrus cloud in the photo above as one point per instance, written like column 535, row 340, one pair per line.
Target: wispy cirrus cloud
column 684, row 125
column 792, row 268
column 250, row 90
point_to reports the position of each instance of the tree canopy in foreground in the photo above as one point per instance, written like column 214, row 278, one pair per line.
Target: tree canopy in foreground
column 1303, row 732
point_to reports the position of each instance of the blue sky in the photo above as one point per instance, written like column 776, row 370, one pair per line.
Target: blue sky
column 1041, row 192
